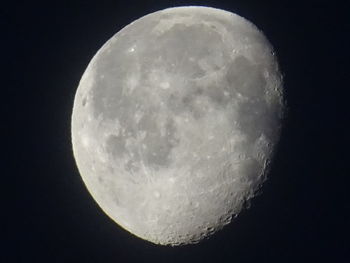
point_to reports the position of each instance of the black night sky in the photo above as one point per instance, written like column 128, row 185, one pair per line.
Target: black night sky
column 303, row 213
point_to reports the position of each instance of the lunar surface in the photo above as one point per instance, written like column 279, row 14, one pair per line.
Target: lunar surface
column 175, row 122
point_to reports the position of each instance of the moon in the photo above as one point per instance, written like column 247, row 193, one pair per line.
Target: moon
column 176, row 120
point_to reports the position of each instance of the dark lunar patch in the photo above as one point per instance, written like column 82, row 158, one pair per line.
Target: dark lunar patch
column 132, row 165
column 115, row 146
column 183, row 103
column 107, row 93
column 176, row 103
column 183, row 47
column 246, row 78
column 217, row 95
column 157, row 147
column 251, row 168
column 107, row 98
column 190, row 101
column 253, row 118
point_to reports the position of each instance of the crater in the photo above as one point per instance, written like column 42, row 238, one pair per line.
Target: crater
column 83, row 103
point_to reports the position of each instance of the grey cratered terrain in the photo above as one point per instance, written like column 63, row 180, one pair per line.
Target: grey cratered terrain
column 175, row 122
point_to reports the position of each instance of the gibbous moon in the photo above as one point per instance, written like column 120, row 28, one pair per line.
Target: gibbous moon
column 175, row 122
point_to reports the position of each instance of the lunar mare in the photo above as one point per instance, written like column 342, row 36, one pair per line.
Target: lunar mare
column 175, row 122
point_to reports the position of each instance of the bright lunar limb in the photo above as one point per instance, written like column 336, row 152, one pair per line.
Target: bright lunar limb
column 175, row 121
